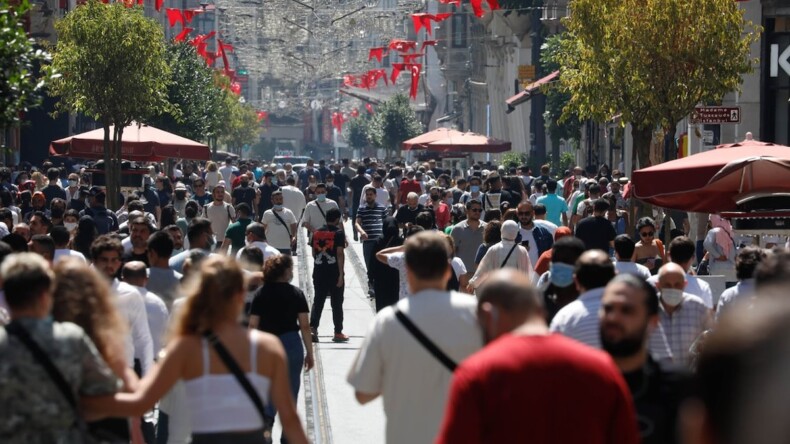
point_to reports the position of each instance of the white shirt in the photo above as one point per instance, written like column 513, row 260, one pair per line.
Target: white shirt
column 138, row 342
column 156, row 310
column 220, row 216
column 683, row 326
column 65, row 252
column 382, row 195
column 742, row 291
column 695, row 286
column 496, row 255
column 127, row 244
column 632, row 268
column 526, row 235
column 268, row 250
column 547, row 225
column 579, row 320
column 227, row 173
column 277, row 234
column 413, row 384
column 313, row 216
column 293, row 199
column 398, row 262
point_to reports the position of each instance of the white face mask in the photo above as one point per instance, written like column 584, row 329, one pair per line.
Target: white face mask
column 71, row 226
column 671, row 296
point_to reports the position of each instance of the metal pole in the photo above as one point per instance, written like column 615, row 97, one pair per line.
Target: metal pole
column 488, row 128
column 538, row 103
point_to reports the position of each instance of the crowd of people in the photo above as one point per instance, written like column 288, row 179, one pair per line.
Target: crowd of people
column 510, row 306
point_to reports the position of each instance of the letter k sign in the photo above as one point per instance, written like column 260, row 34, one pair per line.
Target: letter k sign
column 778, row 60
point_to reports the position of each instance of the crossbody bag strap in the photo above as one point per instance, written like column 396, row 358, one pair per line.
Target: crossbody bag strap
column 425, row 341
column 282, row 222
column 234, row 368
column 508, row 255
column 321, row 210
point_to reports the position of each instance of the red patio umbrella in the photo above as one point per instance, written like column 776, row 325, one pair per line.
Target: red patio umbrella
column 430, row 136
column 457, row 142
column 140, row 143
column 717, row 180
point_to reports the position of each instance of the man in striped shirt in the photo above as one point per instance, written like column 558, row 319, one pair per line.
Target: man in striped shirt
column 370, row 226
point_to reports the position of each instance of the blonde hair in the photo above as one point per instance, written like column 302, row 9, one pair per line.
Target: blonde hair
column 40, row 179
column 82, row 296
column 211, row 166
column 210, row 296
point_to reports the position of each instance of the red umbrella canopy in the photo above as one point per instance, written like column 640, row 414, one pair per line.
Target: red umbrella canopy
column 430, row 136
column 714, row 181
column 140, row 143
column 457, row 142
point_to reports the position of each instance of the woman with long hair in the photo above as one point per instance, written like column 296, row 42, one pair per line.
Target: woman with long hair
column 649, row 251
column 492, row 234
column 164, row 190
column 84, row 236
column 212, row 176
column 280, row 308
column 720, row 246
column 221, row 410
column 169, row 216
column 82, row 297
column 386, row 280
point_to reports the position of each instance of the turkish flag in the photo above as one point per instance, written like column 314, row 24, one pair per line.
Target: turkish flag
column 402, row 45
column 377, row 53
column 183, row 34
column 428, row 43
column 349, row 80
column 415, row 80
column 409, row 58
column 158, row 5
column 174, row 16
column 396, row 69
column 457, row 3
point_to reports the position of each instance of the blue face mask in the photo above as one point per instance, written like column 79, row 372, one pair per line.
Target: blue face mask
column 561, row 274
column 277, row 207
column 474, row 188
column 320, row 197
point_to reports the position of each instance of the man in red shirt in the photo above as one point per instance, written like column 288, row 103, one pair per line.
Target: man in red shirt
column 408, row 185
column 528, row 385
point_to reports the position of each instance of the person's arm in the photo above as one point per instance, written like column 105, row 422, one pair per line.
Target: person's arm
column 223, row 249
column 281, row 393
column 565, row 218
column 341, row 261
column 254, row 321
column 307, row 338
column 358, row 224
column 381, row 256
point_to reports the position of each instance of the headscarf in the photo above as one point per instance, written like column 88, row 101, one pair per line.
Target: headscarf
column 724, row 234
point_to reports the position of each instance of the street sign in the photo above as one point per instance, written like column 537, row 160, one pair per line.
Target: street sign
column 526, row 72
column 707, row 136
column 779, row 60
column 716, row 114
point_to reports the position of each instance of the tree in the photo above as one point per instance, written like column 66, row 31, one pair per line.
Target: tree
column 241, row 125
column 194, row 94
column 356, row 132
column 393, row 123
column 559, row 124
column 20, row 90
column 114, row 71
column 652, row 61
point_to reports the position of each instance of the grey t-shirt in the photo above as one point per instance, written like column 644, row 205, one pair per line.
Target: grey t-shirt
column 467, row 240
column 166, row 283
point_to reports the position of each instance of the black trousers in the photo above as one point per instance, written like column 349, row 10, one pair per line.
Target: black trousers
column 325, row 284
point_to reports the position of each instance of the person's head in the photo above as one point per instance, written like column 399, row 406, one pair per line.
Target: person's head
column 427, row 255
column 682, row 251
column 199, row 233
column 525, row 213
column 160, row 247
column 215, row 296
column 539, row 211
column 746, row 262
column 74, row 180
column 218, row 193
column 43, row 245
column 474, row 208
column 60, row 236
column 492, row 233
column 106, row 252
column 624, row 247
column 175, row 233
column 256, row 233
column 474, row 184
column 22, row 229
column 39, row 223
column 505, row 301
column 57, row 208
column 671, row 282
column 614, row 187
column 243, row 210
column 412, row 199
column 628, row 314
column 320, row 192
column 135, row 273
column 564, row 254
column 278, row 269
column 333, row 217
column 370, row 196
column 139, row 232
column 509, row 230
column 551, row 186
column 600, row 206
column 191, row 209
column 277, row 200
column 593, row 270
column 199, row 186
column 27, row 284
column 39, row 201
column 646, row 228
column 773, row 272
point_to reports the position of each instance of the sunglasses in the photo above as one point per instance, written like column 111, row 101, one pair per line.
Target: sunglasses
column 524, row 213
column 647, row 233
column 476, row 210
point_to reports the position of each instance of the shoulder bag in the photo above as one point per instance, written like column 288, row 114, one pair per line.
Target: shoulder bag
column 425, row 341
column 508, row 255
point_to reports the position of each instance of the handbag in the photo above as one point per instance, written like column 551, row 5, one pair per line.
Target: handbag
column 88, row 437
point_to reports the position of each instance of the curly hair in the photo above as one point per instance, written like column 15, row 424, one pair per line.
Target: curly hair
column 209, row 296
column 276, row 267
column 82, row 296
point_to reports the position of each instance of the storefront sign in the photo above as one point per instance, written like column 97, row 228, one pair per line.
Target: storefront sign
column 779, row 60
column 716, row 114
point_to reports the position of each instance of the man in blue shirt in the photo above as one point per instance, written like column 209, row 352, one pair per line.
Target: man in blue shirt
column 556, row 207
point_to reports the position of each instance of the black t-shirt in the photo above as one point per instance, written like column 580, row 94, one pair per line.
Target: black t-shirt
column 266, row 197
column 244, row 194
column 406, row 215
column 595, row 232
column 278, row 305
column 357, row 183
column 131, row 256
column 325, row 243
column 334, row 192
column 341, row 181
column 657, row 395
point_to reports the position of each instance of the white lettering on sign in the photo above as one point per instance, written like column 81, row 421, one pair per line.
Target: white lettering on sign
column 778, row 60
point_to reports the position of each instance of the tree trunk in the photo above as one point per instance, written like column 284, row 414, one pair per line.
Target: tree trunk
column 113, row 175
column 109, row 148
column 641, row 152
column 670, row 153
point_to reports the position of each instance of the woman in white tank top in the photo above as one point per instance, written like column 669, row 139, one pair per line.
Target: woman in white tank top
column 221, row 411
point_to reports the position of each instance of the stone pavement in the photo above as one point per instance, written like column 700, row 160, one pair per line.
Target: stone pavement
column 326, row 403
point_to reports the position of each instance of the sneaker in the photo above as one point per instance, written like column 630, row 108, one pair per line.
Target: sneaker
column 340, row 337
column 314, row 334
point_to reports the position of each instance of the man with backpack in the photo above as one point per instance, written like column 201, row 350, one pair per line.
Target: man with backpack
column 106, row 221
column 220, row 213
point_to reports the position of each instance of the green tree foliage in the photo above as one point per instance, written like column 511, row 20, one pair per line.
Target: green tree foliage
column 195, row 97
column 559, row 124
column 393, row 123
column 357, row 132
column 652, row 61
column 240, row 123
column 514, row 159
column 114, row 70
column 20, row 89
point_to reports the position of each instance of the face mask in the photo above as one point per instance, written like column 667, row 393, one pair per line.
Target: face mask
column 320, row 197
column 450, row 201
column 474, row 188
column 672, row 296
column 71, row 226
column 72, row 183
column 434, row 197
column 561, row 274
column 330, row 184
column 277, row 207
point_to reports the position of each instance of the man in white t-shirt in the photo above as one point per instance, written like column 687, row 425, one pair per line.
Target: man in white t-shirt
column 60, row 235
column 227, row 171
column 256, row 237
column 280, row 231
column 393, row 364
column 220, row 213
column 293, row 198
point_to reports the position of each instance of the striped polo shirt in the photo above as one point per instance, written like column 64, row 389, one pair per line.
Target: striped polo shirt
column 372, row 220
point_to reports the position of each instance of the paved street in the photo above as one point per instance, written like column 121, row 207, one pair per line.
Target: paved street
column 326, row 402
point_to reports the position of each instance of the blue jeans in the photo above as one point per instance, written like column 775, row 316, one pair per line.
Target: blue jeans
column 294, row 352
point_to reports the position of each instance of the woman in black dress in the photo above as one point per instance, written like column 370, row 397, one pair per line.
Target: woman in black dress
column 385, row 278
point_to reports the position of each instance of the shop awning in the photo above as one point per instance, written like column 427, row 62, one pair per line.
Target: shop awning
column 531, row 89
